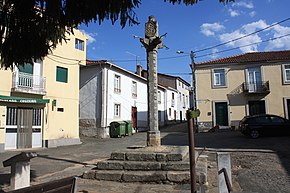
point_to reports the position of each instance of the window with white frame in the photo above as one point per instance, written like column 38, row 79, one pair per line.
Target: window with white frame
column 117, row 84
column 134, row 89
column 159, row 97
column 117, row 110
column 219, row 77
column 79, row 44
column 286, row 73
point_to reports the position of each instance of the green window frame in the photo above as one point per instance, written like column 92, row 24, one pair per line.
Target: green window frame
column 61, row 74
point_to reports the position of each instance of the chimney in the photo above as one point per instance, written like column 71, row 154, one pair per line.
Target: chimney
column 139, row 70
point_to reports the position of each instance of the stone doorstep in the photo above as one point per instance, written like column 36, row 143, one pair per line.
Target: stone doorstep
column 142, row 176
column 145, row 166
column 162, row 153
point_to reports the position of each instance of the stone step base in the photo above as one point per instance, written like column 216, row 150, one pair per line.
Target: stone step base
column 159, row 154
column 143, row 176
column 145, row 166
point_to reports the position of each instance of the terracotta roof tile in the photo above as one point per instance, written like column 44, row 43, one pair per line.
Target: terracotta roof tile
column 251, row 57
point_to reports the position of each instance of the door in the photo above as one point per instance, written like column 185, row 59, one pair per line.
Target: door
column 254, row 79
column 134, row 117
column 24, row 128
column 180, row 116
column 221, row 114
column 288, row 108
column 257, row 107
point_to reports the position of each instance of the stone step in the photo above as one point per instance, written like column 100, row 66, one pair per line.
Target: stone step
column 142, row 176
column 143, row 166
column 160, row 154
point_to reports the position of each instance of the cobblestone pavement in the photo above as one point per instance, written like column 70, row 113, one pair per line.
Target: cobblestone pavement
column 261, row 165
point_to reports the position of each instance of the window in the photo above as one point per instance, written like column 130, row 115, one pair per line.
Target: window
column 172, row 95
column 61, row 74
column 286, row 73
column 26, row 68
column 117, row 110
column 117, row 84
column 169, row 111
column 180, row 96
column 79, row 44
column 134, row 89
column 219, row 78
column 159, row 97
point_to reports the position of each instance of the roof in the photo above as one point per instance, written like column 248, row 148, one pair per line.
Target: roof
column 106, row 62
column 251, row 57
column 173, row 77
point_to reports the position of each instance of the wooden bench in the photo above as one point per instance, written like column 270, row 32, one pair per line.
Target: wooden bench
column 64, row 185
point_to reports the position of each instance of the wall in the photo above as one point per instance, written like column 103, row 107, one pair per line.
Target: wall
column 62, row 127
column 233, row 95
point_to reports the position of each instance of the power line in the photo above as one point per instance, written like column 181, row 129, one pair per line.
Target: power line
column 239, row 38
column 263, row 41
column 208, row 48
column 61, row 61
column 186, row 55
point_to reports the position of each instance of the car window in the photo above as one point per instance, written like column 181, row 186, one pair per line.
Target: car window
column 263, row 120
column 277, row 120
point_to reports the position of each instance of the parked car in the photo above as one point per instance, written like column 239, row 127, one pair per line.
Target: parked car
column 258, row 125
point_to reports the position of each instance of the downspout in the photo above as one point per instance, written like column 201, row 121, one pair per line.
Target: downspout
column 107, row 97
column 104, row 102
column 165, row 107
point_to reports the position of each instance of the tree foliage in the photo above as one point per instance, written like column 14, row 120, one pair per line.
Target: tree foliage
column 31, row 28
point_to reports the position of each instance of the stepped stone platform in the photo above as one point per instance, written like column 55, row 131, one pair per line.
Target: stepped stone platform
column 164, row 164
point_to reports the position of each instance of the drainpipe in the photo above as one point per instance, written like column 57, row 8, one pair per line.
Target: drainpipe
column 104, row 101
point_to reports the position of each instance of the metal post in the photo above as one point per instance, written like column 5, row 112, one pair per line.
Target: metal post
column 190, row 125
column 193, row 68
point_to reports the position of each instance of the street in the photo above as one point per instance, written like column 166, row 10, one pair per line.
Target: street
column 258, row 165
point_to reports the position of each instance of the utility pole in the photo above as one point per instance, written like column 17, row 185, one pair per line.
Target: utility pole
column 152, row 42
column 193, row 69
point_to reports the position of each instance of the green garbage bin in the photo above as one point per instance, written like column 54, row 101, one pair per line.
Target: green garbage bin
column 129, row 128
column 117, row 128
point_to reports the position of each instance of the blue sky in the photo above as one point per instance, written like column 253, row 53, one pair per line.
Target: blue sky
column 196, row 27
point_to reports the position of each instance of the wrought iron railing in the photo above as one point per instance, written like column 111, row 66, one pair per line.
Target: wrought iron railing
column 23, row 82
column 257, row 87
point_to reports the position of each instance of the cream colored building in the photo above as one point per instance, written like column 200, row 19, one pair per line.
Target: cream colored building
column 39, row 102
column 253, row 83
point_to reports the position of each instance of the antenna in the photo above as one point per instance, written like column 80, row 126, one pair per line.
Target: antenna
column 134, row 55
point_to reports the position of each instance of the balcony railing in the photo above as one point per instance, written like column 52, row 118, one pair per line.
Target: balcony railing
column 28, row 83
column 256, row 88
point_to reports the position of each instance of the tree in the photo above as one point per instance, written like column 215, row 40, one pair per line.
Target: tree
column 30, row 29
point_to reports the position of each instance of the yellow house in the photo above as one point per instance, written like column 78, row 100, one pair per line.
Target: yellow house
column 39, row 102
column 253, row 83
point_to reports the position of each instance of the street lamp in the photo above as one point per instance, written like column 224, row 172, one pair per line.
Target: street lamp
column 190, row 125
column 193, row 69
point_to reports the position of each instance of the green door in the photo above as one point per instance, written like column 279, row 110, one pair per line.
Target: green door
column 221, row 113
column 257, row 107
column 288, row 107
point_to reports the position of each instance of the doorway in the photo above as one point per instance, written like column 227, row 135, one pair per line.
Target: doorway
column 221, row 114
column 257, row 107
column 134, row 117
column 23, row 128
column 287, row 108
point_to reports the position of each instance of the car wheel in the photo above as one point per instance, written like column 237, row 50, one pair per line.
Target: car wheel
column 255, row 134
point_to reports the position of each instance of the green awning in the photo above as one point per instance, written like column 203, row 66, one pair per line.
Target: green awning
column 12, row 99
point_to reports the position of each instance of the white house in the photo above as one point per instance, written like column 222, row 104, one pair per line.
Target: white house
column 110, row 93
column 177, row 96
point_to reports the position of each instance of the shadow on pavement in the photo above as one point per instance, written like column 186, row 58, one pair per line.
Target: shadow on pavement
column 60, row 159
column 232, row 141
